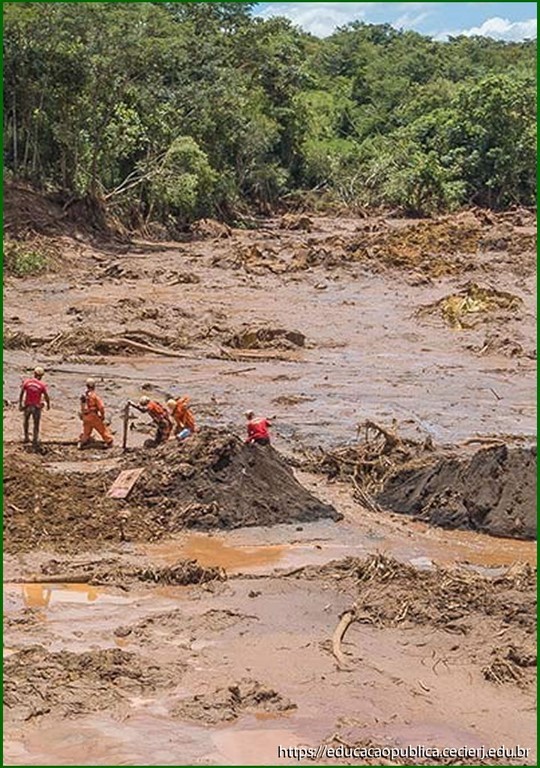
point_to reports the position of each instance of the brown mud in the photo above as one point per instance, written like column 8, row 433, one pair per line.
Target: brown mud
column 195, row 622
column 212, row 480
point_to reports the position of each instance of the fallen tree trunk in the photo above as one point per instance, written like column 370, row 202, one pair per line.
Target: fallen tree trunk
column 122, row 341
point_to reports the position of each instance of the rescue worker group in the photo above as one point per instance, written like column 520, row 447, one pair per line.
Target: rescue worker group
column 175, row 419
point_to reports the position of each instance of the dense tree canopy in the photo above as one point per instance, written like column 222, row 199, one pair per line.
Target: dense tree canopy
column 187, row 109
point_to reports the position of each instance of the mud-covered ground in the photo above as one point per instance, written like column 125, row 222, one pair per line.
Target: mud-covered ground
column 196, row 621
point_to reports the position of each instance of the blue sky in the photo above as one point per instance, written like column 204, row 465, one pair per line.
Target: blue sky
column 502, row 21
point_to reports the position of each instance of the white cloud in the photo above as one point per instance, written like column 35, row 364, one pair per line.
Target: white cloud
column 497, row 28
column 321, row 19
column 318, row 18
column 409, row 20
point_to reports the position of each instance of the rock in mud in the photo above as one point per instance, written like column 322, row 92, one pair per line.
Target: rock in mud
column 210, row 228
column 493, row 492
column 296, row 222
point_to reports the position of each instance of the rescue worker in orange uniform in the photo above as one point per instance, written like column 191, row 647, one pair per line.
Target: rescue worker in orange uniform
column 184, row 422
column 93, row 416
column 160, row 417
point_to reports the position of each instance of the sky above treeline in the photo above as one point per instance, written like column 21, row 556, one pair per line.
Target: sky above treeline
column 501, row 21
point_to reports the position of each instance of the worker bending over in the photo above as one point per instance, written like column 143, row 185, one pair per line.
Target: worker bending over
column 32, row 397
column 160, row 417
column 184, row 423
column 93, row 417
column 257, row 429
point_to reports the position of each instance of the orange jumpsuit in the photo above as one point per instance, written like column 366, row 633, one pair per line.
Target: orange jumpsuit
column 183, row 416
column 93, row 412
column 161, row 418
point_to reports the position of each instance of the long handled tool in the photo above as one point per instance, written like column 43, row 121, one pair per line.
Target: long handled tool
column 125, row 426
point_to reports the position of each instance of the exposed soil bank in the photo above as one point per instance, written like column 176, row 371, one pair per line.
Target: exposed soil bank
column 493, row 492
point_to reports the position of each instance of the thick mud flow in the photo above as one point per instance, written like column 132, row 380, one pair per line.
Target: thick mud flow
column 335, row 588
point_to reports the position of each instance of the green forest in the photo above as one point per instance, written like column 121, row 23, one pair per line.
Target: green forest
column 173, row 111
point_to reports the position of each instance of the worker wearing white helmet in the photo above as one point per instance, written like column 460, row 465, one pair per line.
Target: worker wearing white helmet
column 92, row 415
column 32, row 397
column 160, row 417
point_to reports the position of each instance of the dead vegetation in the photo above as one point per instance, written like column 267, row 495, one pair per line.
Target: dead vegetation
column 473, row 304
column 368, row 463
column 264, row 338
column 391, row 594
column 117, row 573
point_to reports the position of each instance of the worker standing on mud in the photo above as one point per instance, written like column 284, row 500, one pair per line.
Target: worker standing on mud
column 184, row 422
column 92, row 415
column 32, row 397
column 159, row 416
column 257, row 429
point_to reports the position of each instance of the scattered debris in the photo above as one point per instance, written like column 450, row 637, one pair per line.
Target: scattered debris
column 103, row 572
column 368, row 463
column 226, row 704
column 263, row 338
column 479, row 301
column 124, row 483
column 38, row 682
column 391, row 594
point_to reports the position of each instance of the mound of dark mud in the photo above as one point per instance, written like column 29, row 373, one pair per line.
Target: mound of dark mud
column 37, row 682
column 493, row 492
column 214, row 480
column 225, row 704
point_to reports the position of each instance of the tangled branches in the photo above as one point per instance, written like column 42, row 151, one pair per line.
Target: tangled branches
column 368, row 463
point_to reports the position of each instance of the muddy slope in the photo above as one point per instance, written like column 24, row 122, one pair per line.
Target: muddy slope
column 212, row 480
column 493, row 492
